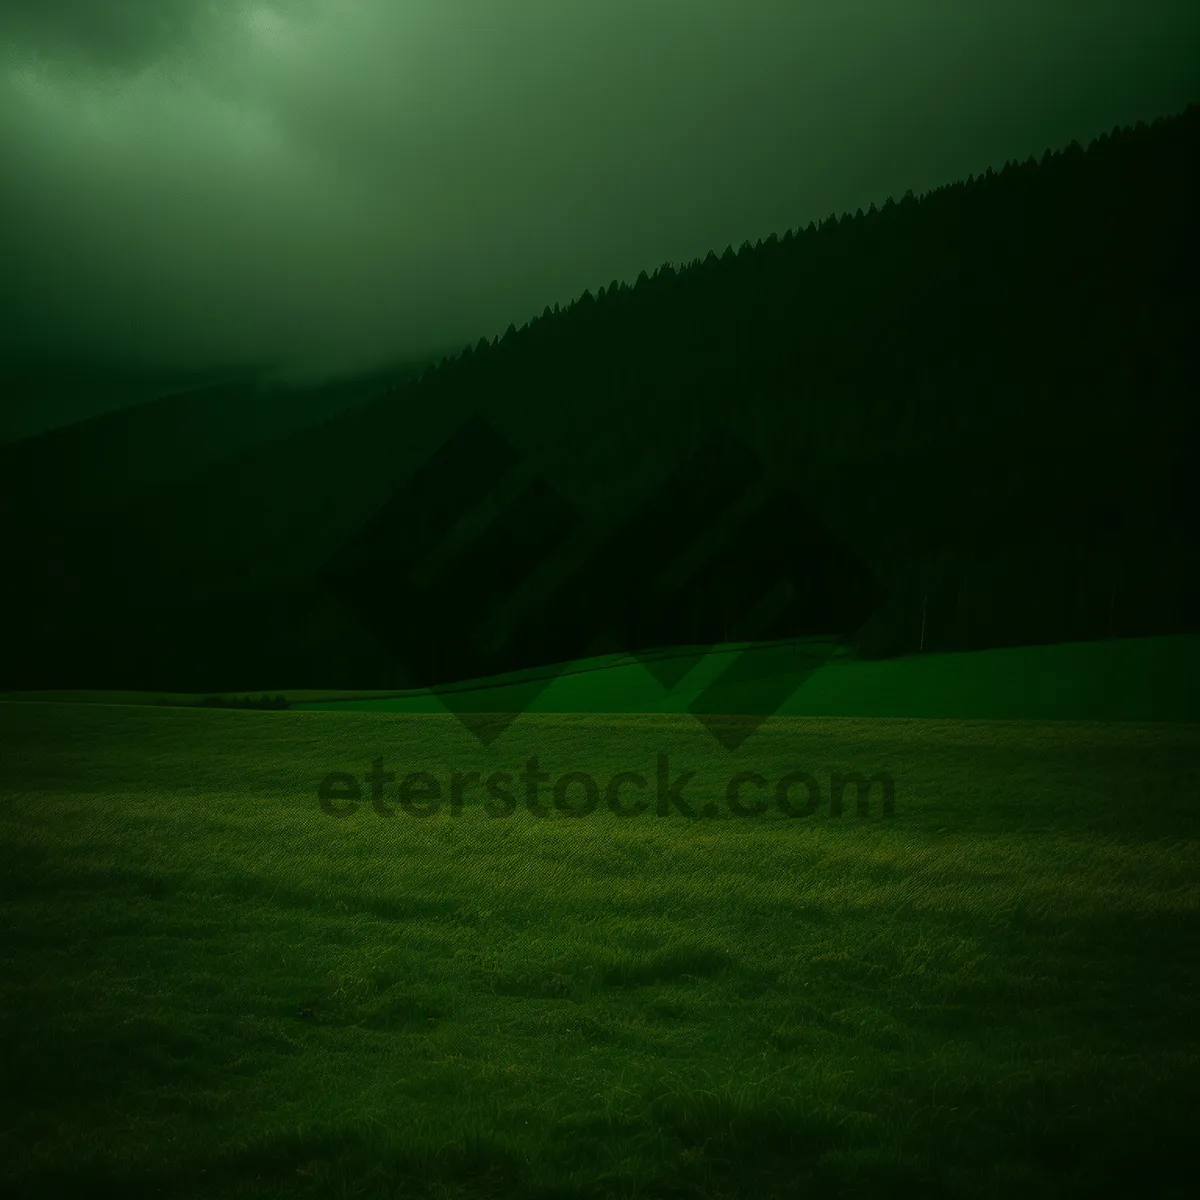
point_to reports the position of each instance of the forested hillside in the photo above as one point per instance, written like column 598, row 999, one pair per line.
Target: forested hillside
column 980, row 404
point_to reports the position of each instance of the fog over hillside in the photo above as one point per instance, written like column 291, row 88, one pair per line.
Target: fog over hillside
column 202, row 191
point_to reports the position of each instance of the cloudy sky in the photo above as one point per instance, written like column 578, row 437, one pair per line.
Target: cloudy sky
column 332, row 185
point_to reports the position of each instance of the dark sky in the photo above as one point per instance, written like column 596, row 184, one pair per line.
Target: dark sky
column 331, row 185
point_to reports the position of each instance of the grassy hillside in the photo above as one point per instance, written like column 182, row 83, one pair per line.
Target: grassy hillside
column 1131, row 679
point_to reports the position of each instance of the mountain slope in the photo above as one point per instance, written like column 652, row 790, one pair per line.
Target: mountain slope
column 982, row 394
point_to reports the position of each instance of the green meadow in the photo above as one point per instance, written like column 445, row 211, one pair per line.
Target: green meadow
column 214, row 986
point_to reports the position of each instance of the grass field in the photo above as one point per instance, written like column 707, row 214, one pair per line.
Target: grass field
column 212, row 987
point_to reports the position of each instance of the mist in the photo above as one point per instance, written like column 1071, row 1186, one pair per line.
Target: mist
column 312, row 188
